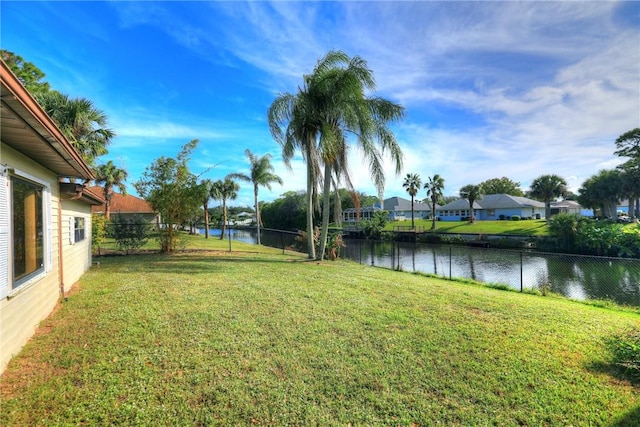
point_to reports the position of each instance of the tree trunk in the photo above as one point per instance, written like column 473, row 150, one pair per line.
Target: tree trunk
column 224, row 218
column 413, row 226
column 433, row 215
column 255, row 198
column 206, row 220
column 326, row 200
column 310, row 241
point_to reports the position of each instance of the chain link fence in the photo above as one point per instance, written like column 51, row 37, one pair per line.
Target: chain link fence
column 575, row 276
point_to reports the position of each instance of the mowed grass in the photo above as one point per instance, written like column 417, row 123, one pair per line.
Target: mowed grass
column 530, row 227
column 220, row 338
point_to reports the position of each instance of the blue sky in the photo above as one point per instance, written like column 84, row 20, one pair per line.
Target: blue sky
column 491, row 89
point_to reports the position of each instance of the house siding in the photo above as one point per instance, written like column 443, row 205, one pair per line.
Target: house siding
column 25, row 308
column 76, row 256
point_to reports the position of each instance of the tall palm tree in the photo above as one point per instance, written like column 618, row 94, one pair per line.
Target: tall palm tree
column 82, row 123
column 294, row 124
column 260, row 175
column 206, row 193
column 471, row 192
column 412, row 183
column 339, row 84
column 225, row 190
column 434, row 187
column 548, row 188
column 109, row 175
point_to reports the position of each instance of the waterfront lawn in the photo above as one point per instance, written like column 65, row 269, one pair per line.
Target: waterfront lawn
column 532, row 227
column 219, row 338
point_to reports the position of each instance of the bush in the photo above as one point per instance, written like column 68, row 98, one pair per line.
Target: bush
column 625, row 349
column 501, row 217
column 98, row 231
column 130, row 233
column 515, row 218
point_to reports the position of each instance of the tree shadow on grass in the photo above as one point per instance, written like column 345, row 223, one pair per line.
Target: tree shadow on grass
column 620, row 373
column 629, row 419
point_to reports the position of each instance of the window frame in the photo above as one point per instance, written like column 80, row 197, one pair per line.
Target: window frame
column 11, row 285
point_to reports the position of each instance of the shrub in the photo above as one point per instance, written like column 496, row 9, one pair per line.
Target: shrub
column 515, row 218
column 130, row 233
column 625, row 349
column 98, row 231
column 501, row 217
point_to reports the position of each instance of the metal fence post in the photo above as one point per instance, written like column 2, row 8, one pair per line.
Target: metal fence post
column 229, row 233
column 450, row 261
column 282, row 241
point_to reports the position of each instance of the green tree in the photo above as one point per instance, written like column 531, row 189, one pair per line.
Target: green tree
column 81, row 122
column 630, row 185
column 206, row 193
column 164, row 185
column 548, row 188
column 472, row 193
column 628, row 144
column 603, row 191
column 412, row 183
column 294, row 124
column 340, row 84
column 434, row 187
column 224, row 190
column 261, row 174
column 287, row 212
column 332, row 103
column 109, row 175
column 501, row 186
column 28, row 74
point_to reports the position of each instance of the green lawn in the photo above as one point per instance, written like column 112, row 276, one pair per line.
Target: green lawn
column 522, row 228
column 232, row 338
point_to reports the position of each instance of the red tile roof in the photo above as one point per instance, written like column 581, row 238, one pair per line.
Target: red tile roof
column 121, row 204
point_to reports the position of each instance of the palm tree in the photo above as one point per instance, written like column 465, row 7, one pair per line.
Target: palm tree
column 294, row 125
column 471, row 192
column 225, row 190
column 261, row 175
column 434, row 187
column 337, row 86
column 412, row 183
column 548, row 188
column 110, row 175
column 82, row 123
column 206, row 193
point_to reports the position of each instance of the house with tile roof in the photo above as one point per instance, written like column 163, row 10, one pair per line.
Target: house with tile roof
column 127, row 206
column 492, row 207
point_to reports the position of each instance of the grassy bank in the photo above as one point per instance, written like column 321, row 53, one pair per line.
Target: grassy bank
column 520, row 228
column 206, row 338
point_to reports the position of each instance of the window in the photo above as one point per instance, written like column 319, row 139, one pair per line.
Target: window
column 78, row 229
column 27, row 226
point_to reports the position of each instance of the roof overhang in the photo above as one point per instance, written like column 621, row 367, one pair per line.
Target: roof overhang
column 26, row 128
column 75, row 191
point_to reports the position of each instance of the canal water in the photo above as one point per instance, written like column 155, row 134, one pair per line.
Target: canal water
column 574, row 276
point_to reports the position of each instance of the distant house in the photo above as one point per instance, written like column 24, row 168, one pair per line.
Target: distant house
column 492, row 207
column 244, row 218
column 127, row 207
column 569, row 207
column 45, row 215
column 350, row 215
column 400, row 209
